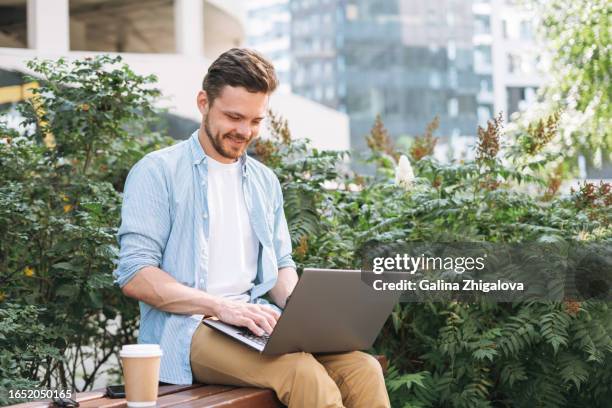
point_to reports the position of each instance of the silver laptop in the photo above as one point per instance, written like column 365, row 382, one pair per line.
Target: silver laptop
column 329, row 311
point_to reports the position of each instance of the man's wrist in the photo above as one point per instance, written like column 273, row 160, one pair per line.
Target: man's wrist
column 216, row 304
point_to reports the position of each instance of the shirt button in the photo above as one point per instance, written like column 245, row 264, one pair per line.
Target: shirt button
column 205, row 215
column 202, row 282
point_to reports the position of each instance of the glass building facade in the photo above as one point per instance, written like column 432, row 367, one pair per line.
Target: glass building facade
column 268, row 31
column 407, row 60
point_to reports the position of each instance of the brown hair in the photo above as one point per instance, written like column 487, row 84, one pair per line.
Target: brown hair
column 239, row 67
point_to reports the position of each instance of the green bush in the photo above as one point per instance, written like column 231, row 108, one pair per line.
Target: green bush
column 24, row 341
column 460, row 354
column 88, row 123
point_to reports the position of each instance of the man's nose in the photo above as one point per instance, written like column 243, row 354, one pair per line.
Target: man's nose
column 245, row 130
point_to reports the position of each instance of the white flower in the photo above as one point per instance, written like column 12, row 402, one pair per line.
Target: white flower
column 404, row 176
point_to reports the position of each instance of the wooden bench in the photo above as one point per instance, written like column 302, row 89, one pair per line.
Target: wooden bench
column 195, row 395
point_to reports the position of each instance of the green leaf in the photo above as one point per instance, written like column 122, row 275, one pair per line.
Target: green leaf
column 66, row 266
column 66, row 290
column 485, row 353
column 407, row 380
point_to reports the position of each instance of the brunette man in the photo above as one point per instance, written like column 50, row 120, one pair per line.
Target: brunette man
column 203, row 233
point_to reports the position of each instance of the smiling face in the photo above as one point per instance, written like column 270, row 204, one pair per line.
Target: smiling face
column 231, row 122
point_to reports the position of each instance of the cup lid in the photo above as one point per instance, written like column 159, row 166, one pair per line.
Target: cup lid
column 140, row 350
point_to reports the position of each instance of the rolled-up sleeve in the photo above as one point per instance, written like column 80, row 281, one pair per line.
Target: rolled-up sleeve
column 145, row 220
column 282, row 239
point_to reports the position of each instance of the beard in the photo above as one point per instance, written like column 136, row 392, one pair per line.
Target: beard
column 223, row 143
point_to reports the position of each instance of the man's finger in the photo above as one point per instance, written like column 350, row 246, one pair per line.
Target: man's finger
column 267, row 312
column 250, row 324
column 262, row 322
column 270, row 309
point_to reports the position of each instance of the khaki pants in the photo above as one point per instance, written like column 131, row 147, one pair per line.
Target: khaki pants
column 353, row 379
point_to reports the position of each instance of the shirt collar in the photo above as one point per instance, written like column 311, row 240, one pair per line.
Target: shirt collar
column 198, row 155
column 197, row 152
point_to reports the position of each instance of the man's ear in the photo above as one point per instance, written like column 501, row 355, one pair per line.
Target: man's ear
column 202, row 101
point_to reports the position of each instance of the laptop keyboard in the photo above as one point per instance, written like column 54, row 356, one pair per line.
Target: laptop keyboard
column 257, row 339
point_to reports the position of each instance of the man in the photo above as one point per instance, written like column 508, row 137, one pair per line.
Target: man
column 203, row 233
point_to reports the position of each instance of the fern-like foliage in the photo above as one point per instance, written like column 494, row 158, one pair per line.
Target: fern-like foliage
column 457, row 354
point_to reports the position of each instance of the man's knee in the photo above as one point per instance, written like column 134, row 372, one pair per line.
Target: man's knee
column 366, row 363
column 304, row 367
column 307, row 383
column 365, row 386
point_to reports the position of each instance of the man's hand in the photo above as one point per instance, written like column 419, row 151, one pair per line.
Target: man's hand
column 259, row 319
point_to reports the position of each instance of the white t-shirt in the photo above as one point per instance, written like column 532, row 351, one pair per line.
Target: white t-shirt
column 233, row 245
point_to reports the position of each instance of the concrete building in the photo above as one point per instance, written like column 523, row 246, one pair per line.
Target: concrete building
column 507, row 39
column 174, row 39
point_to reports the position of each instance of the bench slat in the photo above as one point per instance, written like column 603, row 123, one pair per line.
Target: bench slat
column 185, row 397
column 164, row 390
column 244, row 397
column 171, row 388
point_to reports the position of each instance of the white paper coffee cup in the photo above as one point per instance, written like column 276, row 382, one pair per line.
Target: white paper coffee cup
column 141, row 373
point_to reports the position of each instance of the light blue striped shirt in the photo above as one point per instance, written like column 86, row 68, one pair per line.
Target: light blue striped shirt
column 164, row 223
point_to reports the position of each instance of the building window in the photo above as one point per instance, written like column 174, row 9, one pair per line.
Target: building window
column 451, row 50
column 482, row 56
column 299, row 76
column 452, row 78
column 520, row 64
column 482, row 24
column 318, row 93
column 341, row 64
column 339, row 39
column 450, row 19
column 121, row 27
column 327, row 45
column 315, row 69
column 519, row 98
column 327, row 19
column 467, row 104
column 315, row 20
column 434, row 80
column 515, row 96
column 453, row 107
column 484, row 113
column 486, row 85
column 526, row 30
column 329, row 69
column 13, row 24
